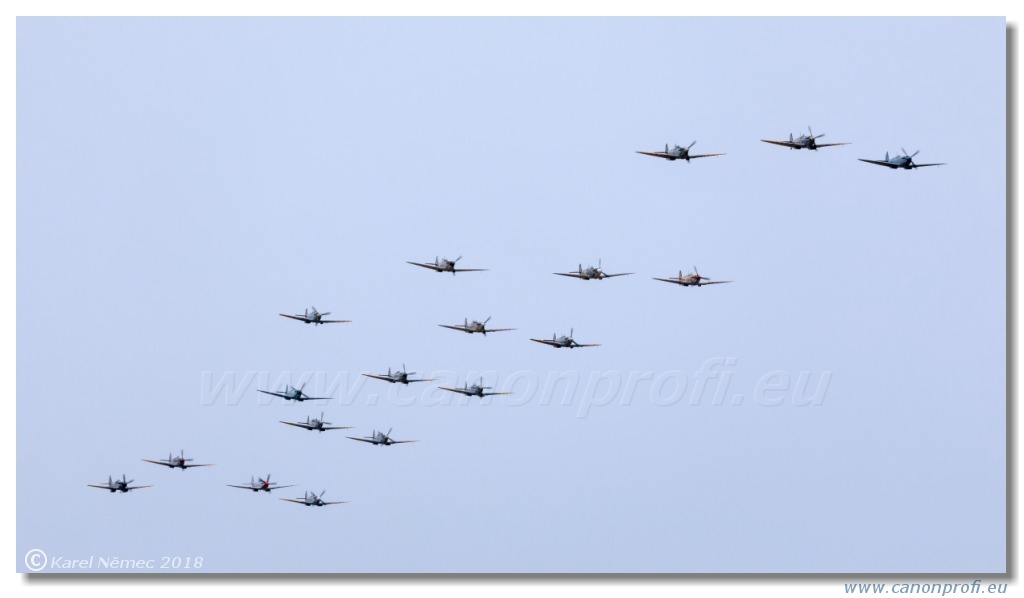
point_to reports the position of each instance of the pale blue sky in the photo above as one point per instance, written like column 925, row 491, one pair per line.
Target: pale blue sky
column 182, row 181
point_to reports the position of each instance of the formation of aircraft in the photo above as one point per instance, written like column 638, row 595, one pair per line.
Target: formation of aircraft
column 590, row 272
column 475, row 326
column 401, row 376
column 294, row 394
column 311, row 499
column 312, row 316
column 446, row 265
column 180, row 462
column 678, row 153
column 474, row 391
column 906, row 161
column 261, row 485
column 317, row 424
column 380, row 438
column 692, row 280
column 121, row 485
column 808, row 141
column 560, row 342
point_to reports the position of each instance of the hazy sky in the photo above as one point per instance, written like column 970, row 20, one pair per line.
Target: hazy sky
column 840, row 407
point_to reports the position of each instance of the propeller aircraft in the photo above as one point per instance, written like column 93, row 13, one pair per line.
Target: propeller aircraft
column 122, row 485
column 315, row 424
column 380, row 438
column 261, row 485
column 294, row 394
column 311, row 499
column 475, row 326
column 906, row 161
column 446, row 265
column 559, row 342
column 477, row 390
column 808, row 141
column 312, row 316
column 180, row 462
column 678, row 153
column 400, row 376
column 692, row 280
column 590, row 272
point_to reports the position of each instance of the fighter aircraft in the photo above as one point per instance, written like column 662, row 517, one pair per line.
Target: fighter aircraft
column 475, row 326
column 310, row 499
column 117, row 485
column 380, row 438
column 314, row 317
column 692, row 280
column 261, row 485
column 294, row 394
column 446, row 265
column 678, row 153
column 180, row 462
column 474, row 391
column 561, row 341
column 590, row 272
column 804, row 141
column 905, row 161
column 315, row 424
column 400, row 376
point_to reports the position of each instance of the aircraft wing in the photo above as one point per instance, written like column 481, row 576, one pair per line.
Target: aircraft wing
column 103, row 487
column 335, row 502
column 299, row 318
column 591, row 345
column 460, row 328
column 702, row 283
column 431, row 266
column 469, row 269
column 271, row 488
column 458, row 390
column 785, row 143
column 336, row 428
column 402, row 441
column 499, row 329
column 298, row 425
column 362, row 439
column 570, row 274
column 164, row 463
column 546, row 342
column 309, row 398
column 297, row 501
column 139, row 487
column 187, row 465
column 487, row 394
column 656, row 154
column 276, row 394
column 672, row 280
column 426, row 379
column 335, row 321
column 879, row 162
column 386, row 378
column 243, row 487
column 830, row 144
column 923, row 165
column 614, row 275
column 704, row 155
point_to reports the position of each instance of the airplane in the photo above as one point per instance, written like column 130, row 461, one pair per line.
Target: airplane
column 310, row 499
column 446, row 265
column 315, row 424
column 678, row 153
column 804, row 141
column 692, row 280
column 590, row 272
column 474, row 391
column 400, row 376
column 294, row 394
column 181, row 462
column 475, row 326
column 905, row 161
column 561, row 341
column 264, row 485
column 117, row 485
column 315, row 317
column 380, row 438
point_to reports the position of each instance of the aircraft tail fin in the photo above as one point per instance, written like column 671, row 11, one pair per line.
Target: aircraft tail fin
column 886, row 156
